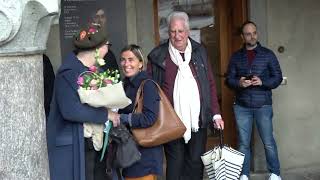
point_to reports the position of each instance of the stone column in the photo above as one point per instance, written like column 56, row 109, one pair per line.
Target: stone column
column 25, row 25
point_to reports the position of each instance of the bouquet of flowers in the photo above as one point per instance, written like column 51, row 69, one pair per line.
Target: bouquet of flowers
column 100, row 89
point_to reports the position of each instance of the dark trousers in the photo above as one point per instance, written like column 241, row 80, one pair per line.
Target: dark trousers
column 95, row 170
column 183, row 160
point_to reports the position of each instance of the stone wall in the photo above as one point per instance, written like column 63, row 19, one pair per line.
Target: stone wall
column 25, row 25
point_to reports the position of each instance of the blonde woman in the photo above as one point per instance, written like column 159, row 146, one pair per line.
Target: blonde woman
column 133, row 66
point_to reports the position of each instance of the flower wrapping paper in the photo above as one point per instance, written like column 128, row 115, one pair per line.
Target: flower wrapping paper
column 112, row 97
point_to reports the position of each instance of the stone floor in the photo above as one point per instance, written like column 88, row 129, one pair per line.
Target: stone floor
column 308, row 173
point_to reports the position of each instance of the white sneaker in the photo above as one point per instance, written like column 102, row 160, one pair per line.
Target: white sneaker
column 244, row 177
column 274, row 177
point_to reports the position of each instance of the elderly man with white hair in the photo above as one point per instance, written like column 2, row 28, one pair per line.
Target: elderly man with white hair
column 182, row 69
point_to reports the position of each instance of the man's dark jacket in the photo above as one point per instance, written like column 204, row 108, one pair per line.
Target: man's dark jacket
column 200, row 66
column 265, row 65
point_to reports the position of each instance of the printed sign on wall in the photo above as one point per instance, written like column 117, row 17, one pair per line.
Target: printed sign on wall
column 80, row 13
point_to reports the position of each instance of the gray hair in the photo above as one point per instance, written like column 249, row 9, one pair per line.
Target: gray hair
column 179, row 15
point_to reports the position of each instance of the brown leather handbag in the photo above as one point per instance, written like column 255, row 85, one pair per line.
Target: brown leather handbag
column 167, row 127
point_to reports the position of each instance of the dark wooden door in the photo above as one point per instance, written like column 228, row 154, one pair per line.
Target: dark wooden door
column 229, row 15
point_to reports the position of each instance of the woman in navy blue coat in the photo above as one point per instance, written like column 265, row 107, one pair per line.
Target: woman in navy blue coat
column 133, row 66
column 65, row 137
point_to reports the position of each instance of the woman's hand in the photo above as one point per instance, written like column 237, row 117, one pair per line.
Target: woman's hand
column 114, row 117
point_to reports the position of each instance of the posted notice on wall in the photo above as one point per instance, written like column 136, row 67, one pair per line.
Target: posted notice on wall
column 76, row 14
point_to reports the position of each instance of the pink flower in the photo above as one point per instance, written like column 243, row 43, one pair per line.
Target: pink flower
column 93, row 83
column 107, row 81
column 80, row 81
column 93, row 68
column 92, row 30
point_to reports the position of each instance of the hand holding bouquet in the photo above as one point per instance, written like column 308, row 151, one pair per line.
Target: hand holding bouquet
column 100, row 89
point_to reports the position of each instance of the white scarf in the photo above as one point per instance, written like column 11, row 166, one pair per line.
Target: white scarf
column 186, row 98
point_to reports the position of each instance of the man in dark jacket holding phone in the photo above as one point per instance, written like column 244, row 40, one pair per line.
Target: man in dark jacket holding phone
column 253, row 72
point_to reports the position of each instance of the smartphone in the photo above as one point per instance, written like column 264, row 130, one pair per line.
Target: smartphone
column 249, row 77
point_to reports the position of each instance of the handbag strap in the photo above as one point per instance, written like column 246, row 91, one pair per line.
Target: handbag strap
column 221, row 138
column 140, row 91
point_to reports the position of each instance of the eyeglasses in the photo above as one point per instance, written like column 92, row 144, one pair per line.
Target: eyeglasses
column 108, row 44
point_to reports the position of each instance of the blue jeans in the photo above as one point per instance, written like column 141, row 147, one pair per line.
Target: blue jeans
column 263, row 119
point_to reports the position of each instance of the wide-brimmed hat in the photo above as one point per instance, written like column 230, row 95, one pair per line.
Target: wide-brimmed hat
column 90, row 37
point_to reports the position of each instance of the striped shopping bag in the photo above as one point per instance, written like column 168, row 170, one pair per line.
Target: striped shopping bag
column 226, row 162
column 207, row 162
